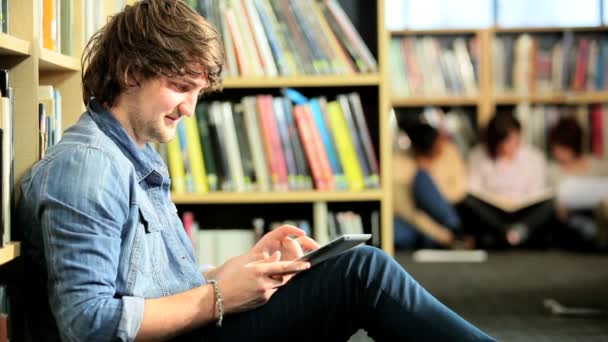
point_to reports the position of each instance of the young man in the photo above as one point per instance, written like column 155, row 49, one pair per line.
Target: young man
column 107, row 251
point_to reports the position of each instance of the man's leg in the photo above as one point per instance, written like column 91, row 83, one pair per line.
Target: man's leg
column 362, row 288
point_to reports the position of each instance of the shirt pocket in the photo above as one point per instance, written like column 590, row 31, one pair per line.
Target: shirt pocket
column 148, row 244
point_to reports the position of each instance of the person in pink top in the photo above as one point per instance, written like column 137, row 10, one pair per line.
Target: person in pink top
column 508, row 169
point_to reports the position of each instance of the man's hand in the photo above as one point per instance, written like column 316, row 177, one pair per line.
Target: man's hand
column 248, row 281
column 290, row 241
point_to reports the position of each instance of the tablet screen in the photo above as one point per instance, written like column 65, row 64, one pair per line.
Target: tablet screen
column 335, row 247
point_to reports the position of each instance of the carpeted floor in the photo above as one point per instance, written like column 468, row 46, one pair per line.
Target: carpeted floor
column 503, row 296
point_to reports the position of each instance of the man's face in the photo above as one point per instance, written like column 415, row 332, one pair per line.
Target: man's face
column 155, row 108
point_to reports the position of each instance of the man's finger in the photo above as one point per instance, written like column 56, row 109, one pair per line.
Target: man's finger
column 283, row 267
column 307, row 243
column 285, row 231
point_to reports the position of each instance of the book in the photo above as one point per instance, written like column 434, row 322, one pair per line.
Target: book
column 511, row 206
column 582, row 192
column 439, row 255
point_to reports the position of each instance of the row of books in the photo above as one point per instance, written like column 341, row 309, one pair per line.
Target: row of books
column 287, row 37
column 7, row 119
column 434, row 66
column 547, row 63
column 213, row 246
column 537, row 120
column 49, row 116
column 266, row 143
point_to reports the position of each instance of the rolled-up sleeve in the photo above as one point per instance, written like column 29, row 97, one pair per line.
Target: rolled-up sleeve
column 85, row 202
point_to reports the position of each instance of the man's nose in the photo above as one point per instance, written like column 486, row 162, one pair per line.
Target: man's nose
column 188, row 107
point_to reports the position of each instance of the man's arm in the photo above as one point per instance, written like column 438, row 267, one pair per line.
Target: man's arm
column 167, row 317
column 84, row 202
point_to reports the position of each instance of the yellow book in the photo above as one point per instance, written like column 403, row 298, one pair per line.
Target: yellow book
column 344, row 143
column 176, row 166
column 195, row 154
column 49, row 24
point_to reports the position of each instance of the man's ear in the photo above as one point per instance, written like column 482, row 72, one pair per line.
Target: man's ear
column 130, row 79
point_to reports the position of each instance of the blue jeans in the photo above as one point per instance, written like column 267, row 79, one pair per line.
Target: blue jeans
column 362, row 288
column 428, row 199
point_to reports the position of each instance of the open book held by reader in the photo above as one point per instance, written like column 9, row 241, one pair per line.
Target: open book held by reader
column 510, row 206
column 334, row 247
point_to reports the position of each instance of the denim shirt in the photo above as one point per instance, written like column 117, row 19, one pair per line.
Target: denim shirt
column 98, row 222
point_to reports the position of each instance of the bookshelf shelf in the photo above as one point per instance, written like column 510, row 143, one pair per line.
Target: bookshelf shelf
column 13, row 46
column 435, row 101
column 555, row 98
column 434, row 32
column 549, row 29
column 278, row 197
column 9, row 252
column 302, row 81
column 54, row 61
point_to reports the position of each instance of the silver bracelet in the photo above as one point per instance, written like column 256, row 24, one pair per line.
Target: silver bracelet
column 219, row 303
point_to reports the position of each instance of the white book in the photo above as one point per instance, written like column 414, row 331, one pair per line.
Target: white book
column 232, row 148
column 205, row 247
column 252, row 129
column 232, row 242
column 321, row 224
column 439, row 255
column 270, row 67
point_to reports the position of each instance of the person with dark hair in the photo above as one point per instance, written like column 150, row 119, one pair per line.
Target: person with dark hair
column 582, row 221
column 510, row 170
column 106, row 253
column 424, row 217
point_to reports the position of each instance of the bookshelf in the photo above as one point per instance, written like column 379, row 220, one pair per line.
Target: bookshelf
column 31, row 65
column 481, row 100
column 371, row 86
column 279, row 197
column 489, row 98
column 10, row 252
column 302, row 81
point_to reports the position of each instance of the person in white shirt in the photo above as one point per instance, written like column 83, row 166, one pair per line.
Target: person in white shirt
column 581, row 180
column 512, row 171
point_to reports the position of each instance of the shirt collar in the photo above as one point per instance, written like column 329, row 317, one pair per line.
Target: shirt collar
column 145, row 159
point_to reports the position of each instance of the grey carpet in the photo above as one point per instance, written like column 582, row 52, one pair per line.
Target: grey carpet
column 503, row 295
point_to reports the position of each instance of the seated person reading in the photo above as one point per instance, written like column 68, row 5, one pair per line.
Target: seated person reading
column 506, row 176
column 106, row 253
column 424, row 216
column 581, row 181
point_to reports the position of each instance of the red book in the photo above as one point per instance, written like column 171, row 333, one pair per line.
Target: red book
column 320, row 151
column 304, row 127
column 272, row 143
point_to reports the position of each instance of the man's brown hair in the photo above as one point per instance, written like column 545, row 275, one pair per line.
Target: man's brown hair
column 152, row 38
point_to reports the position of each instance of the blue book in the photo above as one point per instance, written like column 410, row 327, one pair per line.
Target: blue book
column 183, row 147
column 330, row 148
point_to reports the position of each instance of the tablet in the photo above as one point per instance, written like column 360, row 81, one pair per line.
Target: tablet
column 335, row 247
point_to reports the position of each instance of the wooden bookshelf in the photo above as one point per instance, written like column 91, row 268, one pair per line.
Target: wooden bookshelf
column 376, row 91
column 438, row 32
column 10, row 252
column 278, row 197
column 435, row 101
column 534, row 30
column 303, row 81
column 13, row 46
column 54, row 61
column 566, row 98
